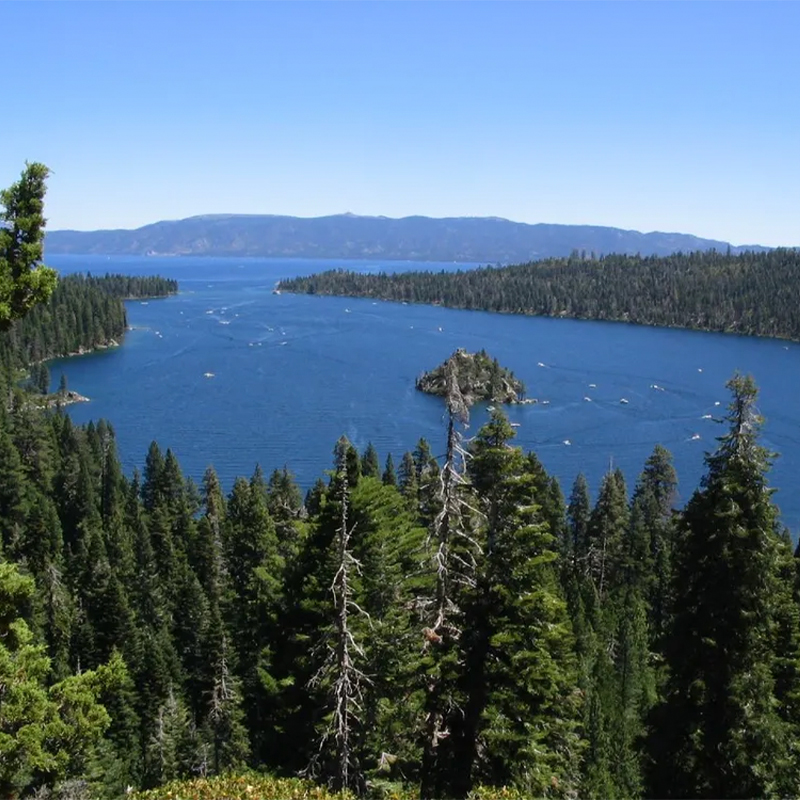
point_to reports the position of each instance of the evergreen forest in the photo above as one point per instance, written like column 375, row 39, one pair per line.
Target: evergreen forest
column 447, row 625
column 714, row 291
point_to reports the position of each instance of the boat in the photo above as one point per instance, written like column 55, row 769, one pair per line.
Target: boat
column 545, row 402
column 623, row 401
column 695, row 437
column 539, row 364
column 515, row 424
column 567, row 441
column 208, row 374
column 587, row 399
column 592, row 385
column 706, row 416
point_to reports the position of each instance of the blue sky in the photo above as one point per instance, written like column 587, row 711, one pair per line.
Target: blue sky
column 652, row 116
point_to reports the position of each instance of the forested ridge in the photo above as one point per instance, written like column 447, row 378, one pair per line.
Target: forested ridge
column 750, row 293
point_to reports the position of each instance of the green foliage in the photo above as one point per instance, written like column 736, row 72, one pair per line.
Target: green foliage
column 46, row 731
column 195, row 630
column 24, row 280
column 728, row 724
column 250, row 786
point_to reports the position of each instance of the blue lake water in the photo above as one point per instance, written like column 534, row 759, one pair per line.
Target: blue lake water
column 292, row 373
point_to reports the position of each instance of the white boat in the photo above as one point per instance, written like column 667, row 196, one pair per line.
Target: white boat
column 587, row 399
column 515, row 424
column 695, row 437
column 545, row 402
column 567, row 441
column 592, row 385
column 539, row 364
column 717, row 403
column 623, row 401
column 706, row 416
column 208, row 374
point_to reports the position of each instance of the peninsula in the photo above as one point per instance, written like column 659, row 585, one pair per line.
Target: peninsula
column 479, row 377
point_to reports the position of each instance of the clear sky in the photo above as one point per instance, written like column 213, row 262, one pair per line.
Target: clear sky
column 653, row 116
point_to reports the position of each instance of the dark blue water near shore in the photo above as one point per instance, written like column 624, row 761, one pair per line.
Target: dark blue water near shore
column 228, row 373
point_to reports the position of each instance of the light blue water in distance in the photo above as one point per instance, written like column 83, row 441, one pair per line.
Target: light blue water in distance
column 292, row 373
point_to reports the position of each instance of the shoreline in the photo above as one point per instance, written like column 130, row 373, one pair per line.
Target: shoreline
column 614, row 320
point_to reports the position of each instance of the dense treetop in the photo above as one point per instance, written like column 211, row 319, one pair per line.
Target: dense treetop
column 444, row 630
column 716, row 291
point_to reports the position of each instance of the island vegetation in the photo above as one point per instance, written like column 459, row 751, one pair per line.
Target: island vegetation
column 450, row 627
column 478, row 377
column 714, row 291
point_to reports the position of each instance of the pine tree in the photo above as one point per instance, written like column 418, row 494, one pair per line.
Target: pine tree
column 370, row 466
column 389, row 476
column 255, row 571
column 452, row 553
column 285, row 506
column 576, row 549
column 24, row 280
column 725, row 728
column 339, row 678
column 521, row 716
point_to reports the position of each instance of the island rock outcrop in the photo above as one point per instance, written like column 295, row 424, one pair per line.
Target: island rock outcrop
column 479, row 377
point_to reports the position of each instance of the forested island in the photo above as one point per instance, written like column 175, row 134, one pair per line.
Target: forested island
column 478, row 377
column 711, row 291
column 448, row 627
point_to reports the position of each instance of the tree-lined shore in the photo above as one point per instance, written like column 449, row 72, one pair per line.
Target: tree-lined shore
column 711, row 291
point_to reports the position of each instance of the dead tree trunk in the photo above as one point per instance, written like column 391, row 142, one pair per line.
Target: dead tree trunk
column 340, row 671
column 453, row 562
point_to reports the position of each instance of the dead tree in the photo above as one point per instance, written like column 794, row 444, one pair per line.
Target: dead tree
column 453, row 553
column 340, row 671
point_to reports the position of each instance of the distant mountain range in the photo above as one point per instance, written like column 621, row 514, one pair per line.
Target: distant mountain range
column 465, row 239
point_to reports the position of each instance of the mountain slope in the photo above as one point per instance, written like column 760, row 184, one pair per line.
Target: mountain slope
column 464, row 239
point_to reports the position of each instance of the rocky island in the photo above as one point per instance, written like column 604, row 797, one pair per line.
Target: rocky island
column 480, row 377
